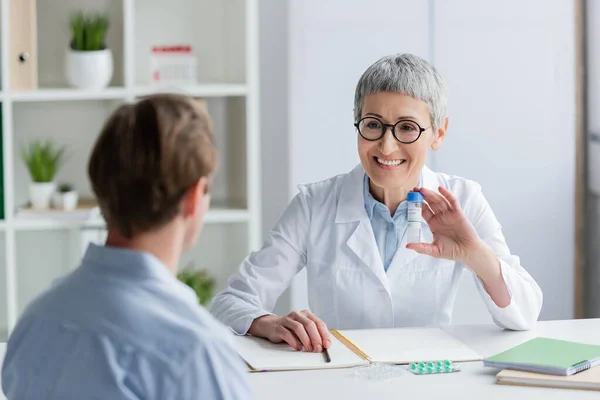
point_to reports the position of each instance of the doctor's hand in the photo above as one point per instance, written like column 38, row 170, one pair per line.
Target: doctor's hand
column 454, row 237
column 299, row 329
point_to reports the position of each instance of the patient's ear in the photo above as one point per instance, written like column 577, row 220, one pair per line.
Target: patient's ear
column 192, row 202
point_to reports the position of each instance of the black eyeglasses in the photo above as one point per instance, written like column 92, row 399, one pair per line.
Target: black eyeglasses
column 405, row 130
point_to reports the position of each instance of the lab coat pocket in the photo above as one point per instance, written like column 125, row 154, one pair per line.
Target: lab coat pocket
column 448, row 277
column 417, row 291
column 321, row 290
column 349, row 296
column 361, row 300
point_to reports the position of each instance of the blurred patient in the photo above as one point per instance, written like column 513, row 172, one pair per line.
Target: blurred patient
column 121, row 326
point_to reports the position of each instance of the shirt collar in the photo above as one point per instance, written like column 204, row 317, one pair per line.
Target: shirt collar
column 133, row 265
column 370, row 201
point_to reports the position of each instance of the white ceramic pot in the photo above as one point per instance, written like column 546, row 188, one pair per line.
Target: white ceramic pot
column 66, row 201
column 89, row 69
column 69, row 200
column 40, row 194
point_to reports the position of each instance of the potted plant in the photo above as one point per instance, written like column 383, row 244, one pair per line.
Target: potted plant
column 200, row 281
column 89, row 62
column 43, row 160
column 66, row 197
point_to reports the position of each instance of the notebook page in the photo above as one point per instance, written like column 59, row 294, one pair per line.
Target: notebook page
column 263, row 355
column 406, row 345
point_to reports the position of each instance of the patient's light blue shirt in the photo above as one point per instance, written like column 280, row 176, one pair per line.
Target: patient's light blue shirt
column 121, row 326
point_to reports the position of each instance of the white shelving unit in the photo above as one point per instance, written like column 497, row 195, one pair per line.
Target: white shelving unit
column 224, row 37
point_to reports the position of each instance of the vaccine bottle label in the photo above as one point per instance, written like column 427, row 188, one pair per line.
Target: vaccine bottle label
column 414, row 233
column 414, row 214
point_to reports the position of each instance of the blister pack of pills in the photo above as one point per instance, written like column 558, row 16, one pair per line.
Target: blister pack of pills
column 433, row 367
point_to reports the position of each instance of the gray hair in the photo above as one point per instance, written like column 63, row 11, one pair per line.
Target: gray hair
column 407, row 74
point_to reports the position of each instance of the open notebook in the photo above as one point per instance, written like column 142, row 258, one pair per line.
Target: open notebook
column 586, row 380
column 351, row 348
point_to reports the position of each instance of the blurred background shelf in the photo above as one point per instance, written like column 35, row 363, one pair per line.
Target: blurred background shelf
column 26, row 224
column 214, row 216
column 67, row 94
column 200, row 90
column 224, row 39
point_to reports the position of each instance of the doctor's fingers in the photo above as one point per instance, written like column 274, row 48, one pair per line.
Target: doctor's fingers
column 426, row 213
column 321, row 326
column 288, row 336
column 436, row 201
column 299, row 330
column 450, row 197
column 311, row 328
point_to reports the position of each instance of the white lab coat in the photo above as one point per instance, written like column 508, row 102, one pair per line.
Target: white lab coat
column 326, row 230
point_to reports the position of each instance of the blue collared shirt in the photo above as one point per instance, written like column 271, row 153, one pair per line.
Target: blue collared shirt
column 121, row 326
column 389, row 231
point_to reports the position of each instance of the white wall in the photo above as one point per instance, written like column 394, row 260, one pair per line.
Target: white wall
column 510, row 71
column 274, row 116
column 509, row 68
column 331, row 43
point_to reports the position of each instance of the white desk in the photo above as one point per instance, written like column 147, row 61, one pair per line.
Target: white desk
column 473, row 382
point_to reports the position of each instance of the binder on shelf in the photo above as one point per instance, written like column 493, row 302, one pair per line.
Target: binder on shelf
column 23, row 45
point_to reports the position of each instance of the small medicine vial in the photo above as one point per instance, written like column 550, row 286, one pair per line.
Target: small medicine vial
column 415, row 204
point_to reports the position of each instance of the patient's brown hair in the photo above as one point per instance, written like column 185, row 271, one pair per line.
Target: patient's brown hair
column 146, row 158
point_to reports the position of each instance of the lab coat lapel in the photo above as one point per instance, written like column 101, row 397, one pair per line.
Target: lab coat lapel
column 362, row 243
column 351, row 209
column 403, row 255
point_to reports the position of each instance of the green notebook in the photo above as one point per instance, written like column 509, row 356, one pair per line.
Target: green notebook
column 547, row 356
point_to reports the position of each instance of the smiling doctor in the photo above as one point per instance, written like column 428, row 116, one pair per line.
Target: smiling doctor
column 349, row 232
